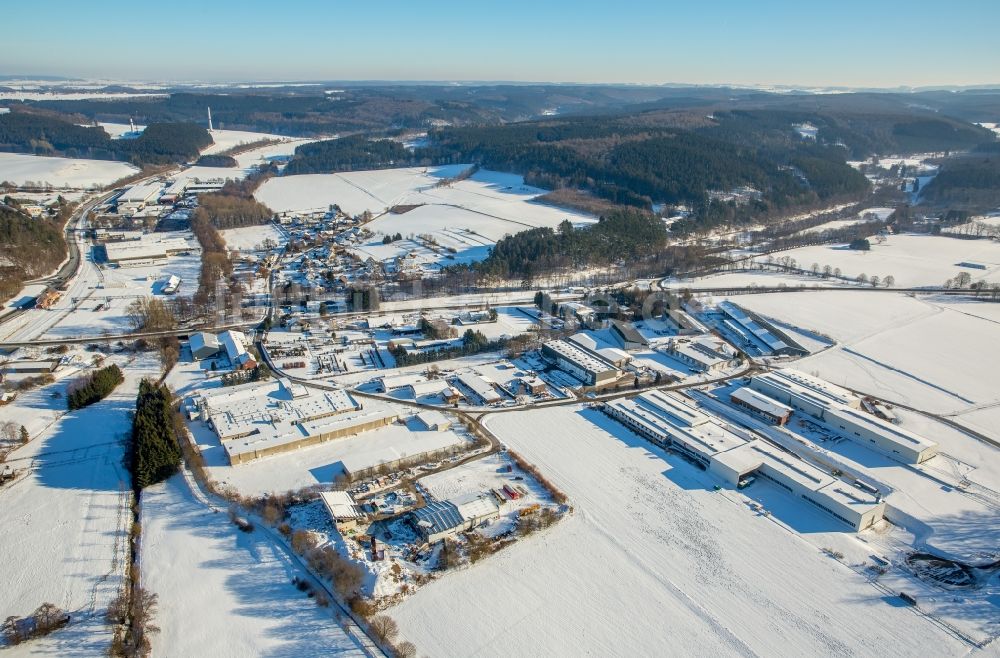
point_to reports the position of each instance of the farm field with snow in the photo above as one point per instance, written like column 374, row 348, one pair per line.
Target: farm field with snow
column 251, row 238
column 77, row 173
column 919, row 351
column 66, row 519
column 913, row 260
column 650, row 546
column 223, row 592
column 464, row 218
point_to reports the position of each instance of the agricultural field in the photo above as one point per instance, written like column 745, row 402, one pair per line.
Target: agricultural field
column 75, row 173
column 913, row 260
column 649, row 533
column 67, row 516
column 226, row 593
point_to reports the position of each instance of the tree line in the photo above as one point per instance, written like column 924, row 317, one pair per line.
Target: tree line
column 153, row 453
column 93, row 388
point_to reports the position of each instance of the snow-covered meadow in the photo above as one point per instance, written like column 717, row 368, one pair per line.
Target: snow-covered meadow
column 76, row 173
column 913, row 260
column 223, row 592
column 653, row 561
column 66, row 520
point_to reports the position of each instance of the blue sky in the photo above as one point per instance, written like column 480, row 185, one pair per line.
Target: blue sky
column 873, row 43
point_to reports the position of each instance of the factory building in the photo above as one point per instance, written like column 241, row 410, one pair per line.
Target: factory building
column 628, row 337
column 392, row 382
column 138, row 197
column 147, row 251
column 755, row 330
column 841, row 411
column 440, row 519
column 204, row 345
column 262, row 419
column 482, row 391
column 580, row 362
column 702, row 354
column 760, row 405
column 430, row 388
column 736, row 456
column 433, row 421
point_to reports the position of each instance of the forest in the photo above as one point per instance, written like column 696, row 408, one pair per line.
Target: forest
column 46, row 134
column 624, row 233
column 29, row 248
column 634, row 161
column 970, row 183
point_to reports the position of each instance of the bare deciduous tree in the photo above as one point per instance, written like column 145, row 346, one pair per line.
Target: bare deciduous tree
column 385, row 628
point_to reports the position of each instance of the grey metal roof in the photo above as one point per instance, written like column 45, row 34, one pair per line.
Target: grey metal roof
column 628, row 332
column 441, row 514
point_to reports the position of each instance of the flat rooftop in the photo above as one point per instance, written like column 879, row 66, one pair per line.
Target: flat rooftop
column 760, row 401
column 817, row 390
column 579, row 356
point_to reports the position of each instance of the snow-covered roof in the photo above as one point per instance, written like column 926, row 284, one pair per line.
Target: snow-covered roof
column 340, row 505
column 475, row 505
column 761, row 402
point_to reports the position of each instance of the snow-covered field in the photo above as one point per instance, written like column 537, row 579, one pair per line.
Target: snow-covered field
column 65, row 524
column 464, row 218
column 250, row 238
column 223, row 592
column 914, row 260
column 919, row 351
column 654, row 562
column 866, row 215
column 20, row 169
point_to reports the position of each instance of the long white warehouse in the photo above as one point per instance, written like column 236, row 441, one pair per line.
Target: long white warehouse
column 841, row 410
column 734, row 455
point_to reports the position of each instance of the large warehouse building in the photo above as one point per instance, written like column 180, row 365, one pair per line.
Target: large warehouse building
column 149, row 250
column 734, row 455
column 440, row 519
column 580, row 362
column 841, row 411
column 261, row 419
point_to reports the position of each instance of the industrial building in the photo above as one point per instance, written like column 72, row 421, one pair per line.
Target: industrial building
column 267, row 418
column 342, row 509
column 702, row 354
column 583, row 364
column 760, row 405
column 204, row 345
column 392, row 382
column 755, row 330
column 440, row 519
column 841, row 411
column 138, row 197
column 147, row 251
column 430, row 388
column 735, row 455
column 628, row 336
column 29, row 367
column 234, row 343
column 482, row 391
column 433, row 421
